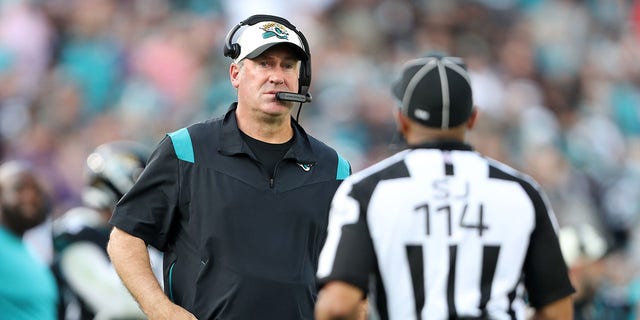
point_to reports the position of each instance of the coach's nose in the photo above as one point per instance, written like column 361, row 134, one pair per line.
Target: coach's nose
column 277, row 76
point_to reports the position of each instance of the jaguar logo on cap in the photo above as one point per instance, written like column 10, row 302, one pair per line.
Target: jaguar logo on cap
column 272, row 29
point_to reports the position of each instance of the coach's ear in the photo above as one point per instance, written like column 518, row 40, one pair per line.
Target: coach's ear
column 234, row 74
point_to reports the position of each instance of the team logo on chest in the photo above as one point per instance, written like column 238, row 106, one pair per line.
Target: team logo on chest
column 305, row 166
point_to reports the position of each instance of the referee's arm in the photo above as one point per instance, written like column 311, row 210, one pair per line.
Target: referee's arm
column 558, row 310
column 346, row 260
column 340, row 300
column 546, row 274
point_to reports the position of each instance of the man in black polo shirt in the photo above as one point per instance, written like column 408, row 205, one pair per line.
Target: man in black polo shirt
column 239, row 205
column 444, row 232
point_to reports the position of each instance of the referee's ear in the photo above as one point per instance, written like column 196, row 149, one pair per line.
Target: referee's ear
column 402, row 122
column 471, row 122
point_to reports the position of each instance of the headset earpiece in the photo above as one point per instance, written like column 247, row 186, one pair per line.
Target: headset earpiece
column 232, row 51
column 304, row 79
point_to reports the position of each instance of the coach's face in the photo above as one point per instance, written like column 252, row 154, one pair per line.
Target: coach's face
column 259, row 79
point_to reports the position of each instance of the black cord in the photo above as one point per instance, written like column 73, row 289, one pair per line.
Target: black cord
column 298, row 113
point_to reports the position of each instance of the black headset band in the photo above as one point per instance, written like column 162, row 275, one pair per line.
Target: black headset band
column 265, row 17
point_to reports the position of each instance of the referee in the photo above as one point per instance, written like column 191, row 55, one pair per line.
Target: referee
column 438, row 231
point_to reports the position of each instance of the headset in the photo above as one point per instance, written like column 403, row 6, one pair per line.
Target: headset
column 232, row 50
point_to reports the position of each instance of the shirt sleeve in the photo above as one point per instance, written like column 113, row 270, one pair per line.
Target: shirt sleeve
column 148, row 209
column 546, row 275
column 348, row 253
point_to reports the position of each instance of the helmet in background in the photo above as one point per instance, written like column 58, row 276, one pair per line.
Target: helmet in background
column 111, row 170
column 582, row 243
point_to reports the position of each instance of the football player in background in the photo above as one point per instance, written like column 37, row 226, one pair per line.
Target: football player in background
column 89, row 285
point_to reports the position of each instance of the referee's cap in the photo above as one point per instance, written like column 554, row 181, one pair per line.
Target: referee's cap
column 256, row 39
column 435, row 91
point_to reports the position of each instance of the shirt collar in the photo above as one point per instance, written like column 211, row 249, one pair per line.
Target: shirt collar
column 231, row 142
column 443, row 145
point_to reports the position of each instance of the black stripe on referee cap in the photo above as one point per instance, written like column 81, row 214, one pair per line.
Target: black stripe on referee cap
column 435, row 91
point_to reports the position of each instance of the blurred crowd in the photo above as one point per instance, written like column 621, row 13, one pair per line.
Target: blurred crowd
column 557, row 83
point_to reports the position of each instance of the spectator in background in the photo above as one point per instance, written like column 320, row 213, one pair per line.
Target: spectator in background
column 27, row 286
column 89, row 285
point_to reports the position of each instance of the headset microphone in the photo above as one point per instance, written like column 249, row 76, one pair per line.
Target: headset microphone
column 295, row 97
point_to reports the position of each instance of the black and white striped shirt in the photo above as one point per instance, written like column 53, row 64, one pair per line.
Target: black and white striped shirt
column 441, row 232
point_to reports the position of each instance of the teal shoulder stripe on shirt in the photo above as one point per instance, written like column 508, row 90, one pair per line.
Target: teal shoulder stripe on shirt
column 344, row 168
column 182, row 145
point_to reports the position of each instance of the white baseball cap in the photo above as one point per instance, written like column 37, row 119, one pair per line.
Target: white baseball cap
column 257, row 38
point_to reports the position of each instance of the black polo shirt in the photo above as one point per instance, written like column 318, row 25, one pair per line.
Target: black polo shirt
column 238, row 243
